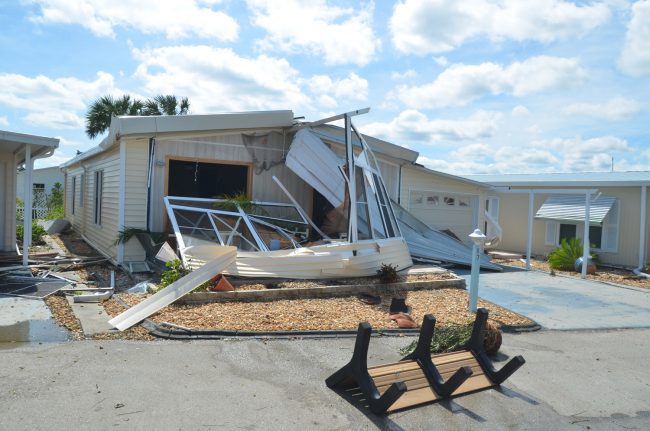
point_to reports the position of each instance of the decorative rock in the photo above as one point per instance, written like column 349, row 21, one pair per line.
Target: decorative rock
column 493, row 339
column 591, row 266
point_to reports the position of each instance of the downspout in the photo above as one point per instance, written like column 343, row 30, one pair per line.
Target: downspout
column 152, row 149
column 642, row 234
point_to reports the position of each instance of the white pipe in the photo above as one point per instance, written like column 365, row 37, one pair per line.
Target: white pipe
column 585, row 237
column 27, row 213
column 529, row 245
column 644, row 198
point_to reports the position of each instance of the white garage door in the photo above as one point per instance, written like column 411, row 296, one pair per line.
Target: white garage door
column 443, row 210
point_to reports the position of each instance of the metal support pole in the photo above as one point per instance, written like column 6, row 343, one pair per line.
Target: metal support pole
column 529, row 244
column 352, row 221
column 27, row 213
column 644, row 200
column 478, row 239
column 585, row 237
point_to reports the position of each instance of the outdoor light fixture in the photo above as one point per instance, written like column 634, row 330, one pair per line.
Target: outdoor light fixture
column 478, row 239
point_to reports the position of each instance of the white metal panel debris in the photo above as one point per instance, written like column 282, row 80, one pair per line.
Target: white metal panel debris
column 177, row 289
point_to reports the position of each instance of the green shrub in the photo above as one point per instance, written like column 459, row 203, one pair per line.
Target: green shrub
column 564, row 257
column 176, row 270
column 446, row 339
column 55, row 213
column 37, row 232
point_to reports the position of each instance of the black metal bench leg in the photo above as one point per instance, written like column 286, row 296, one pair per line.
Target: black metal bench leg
column 422, row 354
column 478, row 348
column 357, row 370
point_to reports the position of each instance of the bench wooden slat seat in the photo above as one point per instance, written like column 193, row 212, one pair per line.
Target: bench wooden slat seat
column 421, row 377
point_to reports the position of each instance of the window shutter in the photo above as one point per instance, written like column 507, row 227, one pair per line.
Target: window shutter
column 551, row 233
column 610, row 229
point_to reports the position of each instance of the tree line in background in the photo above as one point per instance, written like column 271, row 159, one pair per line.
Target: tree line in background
column 102, row 110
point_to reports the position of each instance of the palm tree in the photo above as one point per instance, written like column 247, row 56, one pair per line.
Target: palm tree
column 102, row 110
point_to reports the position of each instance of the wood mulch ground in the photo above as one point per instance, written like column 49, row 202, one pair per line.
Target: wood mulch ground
column 449, row 306
column 605, row 274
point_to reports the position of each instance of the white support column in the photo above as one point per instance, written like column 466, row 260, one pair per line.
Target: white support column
column 529, row 245
column 644, row 200
column 27, row 213
column 585, row 237
column 352, row 222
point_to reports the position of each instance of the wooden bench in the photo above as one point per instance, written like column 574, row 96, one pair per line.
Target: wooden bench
column 421, row 377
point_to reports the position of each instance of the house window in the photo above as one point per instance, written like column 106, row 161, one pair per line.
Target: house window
column 74, row 193
column 602, row 238
column 433, row 200
column 39, row 186
column 449, row 201
column 567, row 231
column 99, row 188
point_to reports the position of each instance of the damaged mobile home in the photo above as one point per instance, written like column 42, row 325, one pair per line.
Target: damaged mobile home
column 311, row 190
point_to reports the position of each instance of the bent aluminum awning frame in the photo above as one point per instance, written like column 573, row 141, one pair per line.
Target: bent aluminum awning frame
column 215, row 227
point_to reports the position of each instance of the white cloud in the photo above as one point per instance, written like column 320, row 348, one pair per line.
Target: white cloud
column 331, row 92
column 176, row 19
column 544, row 155
column 407, row 74
column 520, row 111
column 4, row 122
column 635, row 58
column 51, row 102
column 422, row 27
column 340, row 35
column 413, row 126
column 441, row 61
column 218, row 79
column 614, row 109
column 460, row 84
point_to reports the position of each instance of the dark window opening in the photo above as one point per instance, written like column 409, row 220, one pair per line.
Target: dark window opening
column 567, row 231
column 206, row 180
column 595, row 236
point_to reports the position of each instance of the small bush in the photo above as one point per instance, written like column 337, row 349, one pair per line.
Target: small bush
column 446, row 339
column 37, row 232
column 176, row 271
column 564, row 257
column 388, row 273
column 55, row 213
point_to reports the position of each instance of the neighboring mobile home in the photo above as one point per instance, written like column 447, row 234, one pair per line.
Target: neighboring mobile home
column 122, row 182
column 618, row 217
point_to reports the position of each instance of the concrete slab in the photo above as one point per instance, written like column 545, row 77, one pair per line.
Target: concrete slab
column 279, row 385
column 557, row 302
column 27, row 320
column 92, row 316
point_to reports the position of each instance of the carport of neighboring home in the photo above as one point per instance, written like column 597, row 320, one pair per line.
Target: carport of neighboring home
column 17, row 149
column 619, row 237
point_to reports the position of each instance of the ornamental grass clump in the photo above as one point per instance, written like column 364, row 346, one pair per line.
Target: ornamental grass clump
column 564, row 257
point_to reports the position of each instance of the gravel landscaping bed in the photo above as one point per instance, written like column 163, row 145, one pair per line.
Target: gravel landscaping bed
column 449, row 306
column 605, row 274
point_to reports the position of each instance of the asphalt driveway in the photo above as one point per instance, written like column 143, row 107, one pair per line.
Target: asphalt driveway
column 557, row 302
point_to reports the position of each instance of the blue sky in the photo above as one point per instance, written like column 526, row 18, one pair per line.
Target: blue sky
column 476, row 86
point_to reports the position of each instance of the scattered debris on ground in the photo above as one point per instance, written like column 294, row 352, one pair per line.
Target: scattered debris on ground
column 64, row 316
column 603, row 273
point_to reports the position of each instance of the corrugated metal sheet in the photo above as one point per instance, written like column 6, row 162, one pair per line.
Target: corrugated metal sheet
column 572, row 208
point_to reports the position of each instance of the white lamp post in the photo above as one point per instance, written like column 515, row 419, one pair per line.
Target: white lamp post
column 478, row 239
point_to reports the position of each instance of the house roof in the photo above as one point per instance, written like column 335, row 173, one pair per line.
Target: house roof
column 576, row 179
column 463, row 179
column 15, row 143
column 170, row 124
